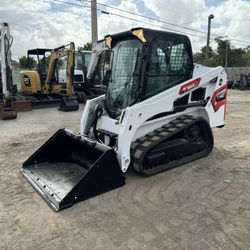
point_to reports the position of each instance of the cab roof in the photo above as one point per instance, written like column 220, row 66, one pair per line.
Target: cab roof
column 38, row 51
column 149, row 35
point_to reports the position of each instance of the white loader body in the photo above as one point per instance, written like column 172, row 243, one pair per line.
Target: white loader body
column 133, row 122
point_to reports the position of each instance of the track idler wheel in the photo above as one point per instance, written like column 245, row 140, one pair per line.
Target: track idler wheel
column 192, row 133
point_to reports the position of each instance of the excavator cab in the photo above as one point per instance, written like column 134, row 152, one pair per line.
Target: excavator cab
column 33, row 81
column 157, row 114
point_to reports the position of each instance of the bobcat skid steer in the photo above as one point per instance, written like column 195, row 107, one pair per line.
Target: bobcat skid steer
column 157, row 114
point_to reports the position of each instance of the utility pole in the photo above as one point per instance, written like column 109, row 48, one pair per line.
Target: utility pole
column 226, row 53
column 210, row 17
column 94, row 22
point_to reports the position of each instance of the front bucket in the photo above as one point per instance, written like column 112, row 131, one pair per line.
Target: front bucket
column 68, row 104
column 69, row 168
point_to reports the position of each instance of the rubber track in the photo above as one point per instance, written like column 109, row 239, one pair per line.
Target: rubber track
column 143, row 145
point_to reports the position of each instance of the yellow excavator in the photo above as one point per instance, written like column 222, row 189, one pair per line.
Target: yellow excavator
column 42, row 86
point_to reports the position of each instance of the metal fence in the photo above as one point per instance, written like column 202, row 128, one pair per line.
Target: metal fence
column 233, row 73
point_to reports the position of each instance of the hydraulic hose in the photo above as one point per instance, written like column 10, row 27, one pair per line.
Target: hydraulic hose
column 9, row 81
column 98, row 114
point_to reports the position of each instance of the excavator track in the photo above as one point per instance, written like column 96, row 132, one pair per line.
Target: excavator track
column 183, row 140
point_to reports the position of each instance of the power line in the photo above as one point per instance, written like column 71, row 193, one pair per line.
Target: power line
column 155, row 19
column 71, row 3
column 144, row 16
column 159, row 26
column 151, row 18
column 105, row 12
column 132, row 19
column 60, row 10
column 112, row 7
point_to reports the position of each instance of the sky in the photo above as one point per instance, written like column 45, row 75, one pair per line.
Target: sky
column 51, row 23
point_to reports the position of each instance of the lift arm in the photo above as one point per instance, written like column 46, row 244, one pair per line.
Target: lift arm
column 57, row 53
column 7, row 110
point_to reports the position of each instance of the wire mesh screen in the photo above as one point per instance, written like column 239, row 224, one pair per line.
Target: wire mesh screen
column 177, row 58
column 124, row 75
column 123, row 78
column 168, row 66
column 124, row 65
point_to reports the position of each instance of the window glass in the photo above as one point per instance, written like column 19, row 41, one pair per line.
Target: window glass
column 87, row 59
column 124, row 76
column 169, row 65
column 78, row 61
column 102, row 67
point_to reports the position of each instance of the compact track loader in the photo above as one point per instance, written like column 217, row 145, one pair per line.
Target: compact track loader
column 157, row 114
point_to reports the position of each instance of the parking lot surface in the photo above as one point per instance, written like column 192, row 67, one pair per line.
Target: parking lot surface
column 201, row 205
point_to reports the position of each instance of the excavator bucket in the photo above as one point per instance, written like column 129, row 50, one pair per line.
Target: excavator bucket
column 70, row 168
column 7, row 110
column 7, row 113
column 22, row 106
column 68, row 104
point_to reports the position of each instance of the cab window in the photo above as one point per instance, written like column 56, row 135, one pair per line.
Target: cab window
column 169, row 64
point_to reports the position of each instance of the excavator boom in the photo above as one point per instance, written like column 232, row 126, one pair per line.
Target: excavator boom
column 56, row 54
column 68, row 102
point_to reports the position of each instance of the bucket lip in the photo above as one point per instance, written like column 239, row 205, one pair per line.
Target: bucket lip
column 49, row 200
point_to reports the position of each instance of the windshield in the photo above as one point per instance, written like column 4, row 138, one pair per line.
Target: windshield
column 79, row 64
column 87, row 59
column 123, row 76
column 82, row 59
column 103, row 65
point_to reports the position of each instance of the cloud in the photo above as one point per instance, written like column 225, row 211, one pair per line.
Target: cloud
column 50, row 24
column 194, row 15
column 118, row 21
column 41, row 25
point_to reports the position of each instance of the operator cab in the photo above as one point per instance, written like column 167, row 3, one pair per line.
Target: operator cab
column 143, row 64
column 41, row 56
